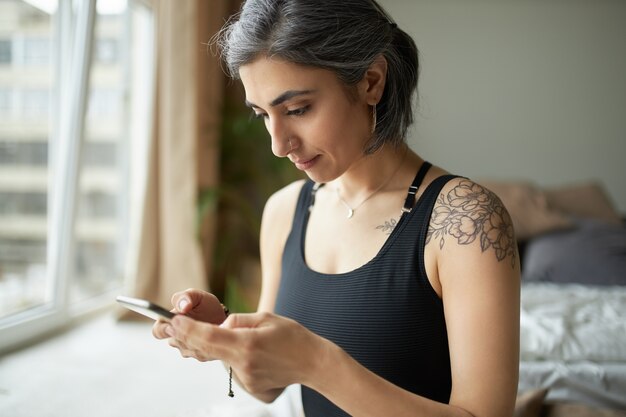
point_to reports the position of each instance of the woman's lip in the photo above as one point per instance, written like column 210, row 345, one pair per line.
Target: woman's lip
column 304, row 165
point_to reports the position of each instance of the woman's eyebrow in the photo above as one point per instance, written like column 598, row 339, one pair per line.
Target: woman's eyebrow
column 287, row 95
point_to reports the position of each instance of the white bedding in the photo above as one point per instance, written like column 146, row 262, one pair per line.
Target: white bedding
column 599, row 384
column 573, row 323
column 573, row 341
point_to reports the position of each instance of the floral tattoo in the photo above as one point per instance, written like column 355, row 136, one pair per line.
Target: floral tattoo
column 469, row 212
column 388, row 226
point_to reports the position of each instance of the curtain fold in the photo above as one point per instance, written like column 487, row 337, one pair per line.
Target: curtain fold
column 175, row 250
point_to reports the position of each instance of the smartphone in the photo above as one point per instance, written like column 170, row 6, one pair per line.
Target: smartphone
column 146, row 308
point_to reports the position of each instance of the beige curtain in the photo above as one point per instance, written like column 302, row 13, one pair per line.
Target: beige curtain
column 184, row 151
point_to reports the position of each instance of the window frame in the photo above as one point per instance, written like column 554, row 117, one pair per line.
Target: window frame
column 71, row 65
column 73, row 27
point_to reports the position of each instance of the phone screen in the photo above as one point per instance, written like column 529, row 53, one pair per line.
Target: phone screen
column 145, row 308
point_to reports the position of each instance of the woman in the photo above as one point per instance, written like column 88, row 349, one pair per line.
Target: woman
column 390, row 288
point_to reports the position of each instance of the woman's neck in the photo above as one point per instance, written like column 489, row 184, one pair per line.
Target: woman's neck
column 375, row 173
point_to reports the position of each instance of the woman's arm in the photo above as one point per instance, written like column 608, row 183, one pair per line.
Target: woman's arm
column 275, row 227
column 479, row 273
column 196, row 338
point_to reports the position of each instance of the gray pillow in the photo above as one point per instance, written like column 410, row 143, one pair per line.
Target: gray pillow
column 592, row 253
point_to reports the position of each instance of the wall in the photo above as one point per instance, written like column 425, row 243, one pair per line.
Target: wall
column 522, row 89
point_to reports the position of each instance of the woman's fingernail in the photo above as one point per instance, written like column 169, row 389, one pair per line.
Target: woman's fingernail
column 169, row 330
column 182, row 304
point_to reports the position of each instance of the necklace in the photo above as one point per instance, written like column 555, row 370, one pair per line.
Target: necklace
column 351, row 210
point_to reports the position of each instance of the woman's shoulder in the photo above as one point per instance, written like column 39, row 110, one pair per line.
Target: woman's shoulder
column 285, row 197
column 460, row 193
column 467, row 196
column 466, row 213
column 282, row 204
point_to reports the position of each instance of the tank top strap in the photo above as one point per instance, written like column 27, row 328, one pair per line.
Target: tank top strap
column 422, row 214
column 304, row 199
column 303, row 204
column 313, row 190
column 409, row 202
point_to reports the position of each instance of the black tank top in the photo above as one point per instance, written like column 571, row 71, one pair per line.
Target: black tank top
column 385, row 314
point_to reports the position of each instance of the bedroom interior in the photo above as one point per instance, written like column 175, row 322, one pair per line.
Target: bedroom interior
column 526, row 97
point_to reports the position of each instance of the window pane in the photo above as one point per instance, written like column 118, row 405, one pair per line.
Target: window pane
column 23, row 203
column 25, row 153
column 6, row 101
column 26, row 38
column 100, row 154
column 5, row 51
column 107, row 51
column 36, row 51
column 35, row 104
column 103, row 206
column 24, row 266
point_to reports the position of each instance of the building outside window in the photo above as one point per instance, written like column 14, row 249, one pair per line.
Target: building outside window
column 6, row 101
column 35, row 103
column 5, row 51
column 35, row 176
column 37, row 51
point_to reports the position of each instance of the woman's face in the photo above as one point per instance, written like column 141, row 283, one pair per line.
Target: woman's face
column 309, row 115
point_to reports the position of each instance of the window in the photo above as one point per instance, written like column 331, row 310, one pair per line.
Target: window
column 24, row 101
column 35, row 104
column 107, row 51
column 37, row 51
column 100, row 154
column 29, row 154
column 6, row 101
column 24, row 263
column 5, row 51
column 64, row 171
column 105, row 104
column 24, row 203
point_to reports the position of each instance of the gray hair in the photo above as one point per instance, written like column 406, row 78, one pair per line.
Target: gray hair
column 344, row 36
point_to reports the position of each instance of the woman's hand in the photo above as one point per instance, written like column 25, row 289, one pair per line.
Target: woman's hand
column 197, row 304
column 266, row 351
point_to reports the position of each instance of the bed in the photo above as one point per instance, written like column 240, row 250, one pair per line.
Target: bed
column 573, row 342
column 573, row 300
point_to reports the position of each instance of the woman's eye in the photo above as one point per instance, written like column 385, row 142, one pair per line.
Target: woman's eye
column 259, row 115
column 298, row 112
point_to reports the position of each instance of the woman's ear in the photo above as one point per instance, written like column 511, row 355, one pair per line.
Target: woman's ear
column 372, row 86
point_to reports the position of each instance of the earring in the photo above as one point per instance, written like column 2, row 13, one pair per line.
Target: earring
column 373, row 118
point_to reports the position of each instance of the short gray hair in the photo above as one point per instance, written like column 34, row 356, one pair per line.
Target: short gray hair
column 344, row 36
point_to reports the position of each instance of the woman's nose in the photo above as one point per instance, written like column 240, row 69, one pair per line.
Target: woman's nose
column 281, row 147
column 281, row 140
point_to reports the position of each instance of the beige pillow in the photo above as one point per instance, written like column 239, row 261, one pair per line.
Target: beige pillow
column 530, row 403
column 529, row 209
column 588, row 200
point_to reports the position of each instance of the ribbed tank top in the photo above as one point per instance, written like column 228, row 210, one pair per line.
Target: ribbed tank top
column 385, row 314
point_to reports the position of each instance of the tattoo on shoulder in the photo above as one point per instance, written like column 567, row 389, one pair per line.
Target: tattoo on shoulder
column 388, row 226
column 469, row 212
